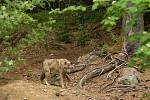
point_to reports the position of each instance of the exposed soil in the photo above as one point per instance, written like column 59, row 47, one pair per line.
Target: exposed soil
column 24, row 82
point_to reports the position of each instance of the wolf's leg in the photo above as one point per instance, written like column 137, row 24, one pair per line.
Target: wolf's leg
column 47, row 74
column 67, row 76
column 62, row 80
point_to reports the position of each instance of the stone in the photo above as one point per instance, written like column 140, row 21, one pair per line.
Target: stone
column 129, row 76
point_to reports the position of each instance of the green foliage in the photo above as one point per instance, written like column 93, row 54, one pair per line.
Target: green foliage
column 14, row 13
column 70, row 8
column 146, row 96
column 115, row 11
column 40, row 17
column 82, row 39
column 109, row 22
column 65, row 37
column 6, row 65
column 114, row 38
column 29, row 73
column 10, row 18
column 119, row 8
column 70, row 22
column 38, row 34
column 142, row 56
column 100, row 3
column 74, row 8
column 9, row 60
column 104, row 48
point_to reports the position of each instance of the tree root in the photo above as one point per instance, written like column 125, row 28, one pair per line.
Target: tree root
column 113, row 64
column 77, row 68
column 109, row 74
column 94, row 73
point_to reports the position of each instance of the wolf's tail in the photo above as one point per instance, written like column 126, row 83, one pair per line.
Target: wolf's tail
column 42, row 76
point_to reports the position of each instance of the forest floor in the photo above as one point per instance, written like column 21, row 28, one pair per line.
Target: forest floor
column 24, row 82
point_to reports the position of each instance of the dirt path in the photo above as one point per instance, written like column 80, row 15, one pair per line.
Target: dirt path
column 25, row 87
column 27, row 90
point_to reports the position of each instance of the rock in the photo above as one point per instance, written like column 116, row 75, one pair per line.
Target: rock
column 45, row 90
column 74, row 92
column 83, row 59
column 87, row 59
column 51, row 54
column 92, row 58
column 129, row 76
column 60, row 92
column 25, row 98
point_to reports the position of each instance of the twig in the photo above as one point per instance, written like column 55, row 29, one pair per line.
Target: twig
column 105, row 58
column 123, row 86
column 113, row 60
column 114, row 69
column 120, row 59
column 111, row 82
column 126, row 54
column 101, row 71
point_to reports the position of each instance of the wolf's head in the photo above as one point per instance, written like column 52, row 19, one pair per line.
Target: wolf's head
column 65, row 62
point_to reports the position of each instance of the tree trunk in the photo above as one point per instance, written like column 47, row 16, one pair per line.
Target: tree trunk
column 131, row 46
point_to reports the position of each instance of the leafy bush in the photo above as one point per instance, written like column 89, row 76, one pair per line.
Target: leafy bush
column 82, row 39
column 9, row 60
column 115, row 11
column 12, row 15
column 6, row 65
column 65, row 37
column 142, row 57
column 104, row 49
column 146, row 96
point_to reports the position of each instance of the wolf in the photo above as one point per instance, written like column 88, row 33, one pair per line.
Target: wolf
column 55, row 66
